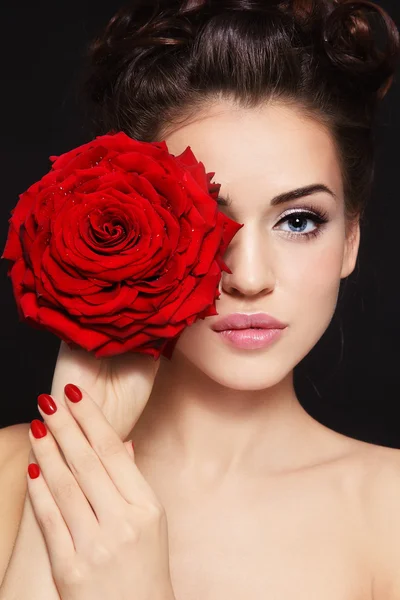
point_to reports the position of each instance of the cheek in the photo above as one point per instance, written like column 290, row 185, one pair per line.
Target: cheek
column 192, row 336
column 311, row 284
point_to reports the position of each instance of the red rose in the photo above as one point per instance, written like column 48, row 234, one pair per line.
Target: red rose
column 119, row 247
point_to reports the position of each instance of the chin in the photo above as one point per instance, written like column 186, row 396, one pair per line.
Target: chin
column 200, row 353
column 246, row 381
column 243, row 370
column 253, row 373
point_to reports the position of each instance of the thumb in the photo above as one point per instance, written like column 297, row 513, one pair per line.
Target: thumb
column 129, row 446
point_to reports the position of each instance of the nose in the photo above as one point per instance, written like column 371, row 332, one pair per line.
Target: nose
column 250, row 258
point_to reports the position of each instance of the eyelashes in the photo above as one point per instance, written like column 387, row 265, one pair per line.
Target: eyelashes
column 306, row 213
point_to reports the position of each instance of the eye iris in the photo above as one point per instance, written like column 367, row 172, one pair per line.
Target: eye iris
column 299, row 219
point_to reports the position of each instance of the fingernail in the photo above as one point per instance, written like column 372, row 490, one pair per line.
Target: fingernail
column 33, row 470
column 47, row 404
column 72, row 392
column 38, row 428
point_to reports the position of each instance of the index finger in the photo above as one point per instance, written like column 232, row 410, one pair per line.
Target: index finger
column 108, row 446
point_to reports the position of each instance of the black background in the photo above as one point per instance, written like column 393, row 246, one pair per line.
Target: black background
column 350, row 380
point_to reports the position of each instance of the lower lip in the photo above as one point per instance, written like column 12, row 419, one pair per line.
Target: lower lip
column 250, row 339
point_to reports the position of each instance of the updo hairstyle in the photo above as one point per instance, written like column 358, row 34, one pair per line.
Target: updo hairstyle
column 160, row 62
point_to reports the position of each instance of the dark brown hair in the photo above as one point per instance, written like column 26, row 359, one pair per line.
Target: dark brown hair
column 159, row 62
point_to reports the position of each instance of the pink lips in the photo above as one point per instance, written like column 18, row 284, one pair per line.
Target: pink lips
column 249, row 331
column 245, row 321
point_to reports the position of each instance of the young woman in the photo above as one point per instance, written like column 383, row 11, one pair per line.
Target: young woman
column 261, row 501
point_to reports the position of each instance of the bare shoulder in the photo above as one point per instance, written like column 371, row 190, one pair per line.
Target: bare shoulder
column 377, row 473
column 14, row 452
column 384, row 489
column 13, row 438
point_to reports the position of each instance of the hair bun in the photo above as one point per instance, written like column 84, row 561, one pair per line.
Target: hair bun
column 147, row 24
column 353, row 34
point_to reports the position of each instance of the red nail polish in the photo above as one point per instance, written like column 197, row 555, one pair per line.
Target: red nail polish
column 47, row 404
column 72, row 392
column 38, row 428
column 33, row 470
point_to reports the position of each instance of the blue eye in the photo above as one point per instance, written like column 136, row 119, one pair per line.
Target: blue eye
column 297, row 220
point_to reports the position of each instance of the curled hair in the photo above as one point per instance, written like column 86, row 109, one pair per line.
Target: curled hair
column 158, row 62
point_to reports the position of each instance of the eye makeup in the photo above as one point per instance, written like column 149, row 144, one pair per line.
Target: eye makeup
column 309, row 212
column 306, row 213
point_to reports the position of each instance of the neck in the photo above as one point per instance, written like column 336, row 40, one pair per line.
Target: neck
column 197, row 424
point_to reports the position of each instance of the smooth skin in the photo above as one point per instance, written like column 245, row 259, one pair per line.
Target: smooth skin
column 122, row 386
column 97, row 513
column 262, row 501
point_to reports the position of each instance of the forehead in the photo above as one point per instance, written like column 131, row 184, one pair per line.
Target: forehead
column 274, row 148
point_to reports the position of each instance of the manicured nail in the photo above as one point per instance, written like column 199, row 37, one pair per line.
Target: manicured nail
column 33, row 470
column 47, row 404
column 38, row 428
column 72, row 392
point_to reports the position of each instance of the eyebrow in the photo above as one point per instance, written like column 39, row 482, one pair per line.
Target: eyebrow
column 301, row 192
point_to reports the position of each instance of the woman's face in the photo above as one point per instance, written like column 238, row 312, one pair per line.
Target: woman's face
column 289, row 268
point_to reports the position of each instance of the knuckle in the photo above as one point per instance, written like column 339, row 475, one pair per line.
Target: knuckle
column 48, row 521
column 100, row 555
column 154, row 511
column 85, row 462
column 123, row 526
column 157, row 509
column 108, row 446
column 64, row 490
column 71, row 575
column 127, row 532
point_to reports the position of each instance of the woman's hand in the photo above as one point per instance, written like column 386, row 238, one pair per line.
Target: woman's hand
column 120, row 385
column 104, row 528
